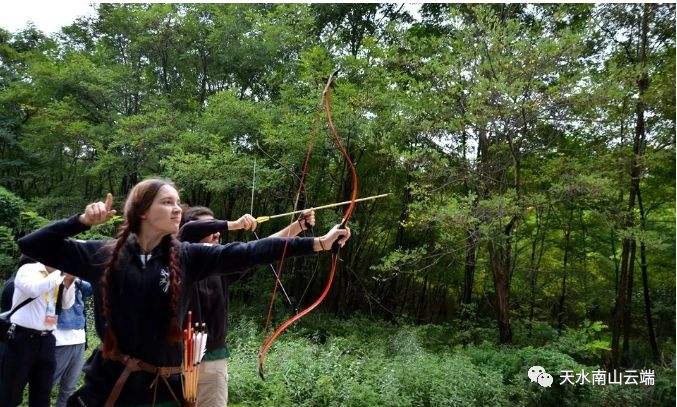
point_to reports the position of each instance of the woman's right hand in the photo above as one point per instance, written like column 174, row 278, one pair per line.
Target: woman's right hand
column 97, row 213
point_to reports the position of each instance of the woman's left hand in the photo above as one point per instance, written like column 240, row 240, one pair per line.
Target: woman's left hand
column 334, row 235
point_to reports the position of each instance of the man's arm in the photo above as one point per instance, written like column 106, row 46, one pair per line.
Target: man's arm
column 32, row 283
column 196, row 230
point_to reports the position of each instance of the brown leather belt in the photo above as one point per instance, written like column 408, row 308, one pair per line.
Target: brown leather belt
column 136, row 365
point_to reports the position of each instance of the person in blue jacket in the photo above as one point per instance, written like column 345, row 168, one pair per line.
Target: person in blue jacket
column 71, row 339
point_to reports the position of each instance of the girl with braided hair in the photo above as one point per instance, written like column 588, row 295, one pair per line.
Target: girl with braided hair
column 142, row 281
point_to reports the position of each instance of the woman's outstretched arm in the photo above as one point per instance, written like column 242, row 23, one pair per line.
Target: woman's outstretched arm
column 52, row 245
column 203, row 260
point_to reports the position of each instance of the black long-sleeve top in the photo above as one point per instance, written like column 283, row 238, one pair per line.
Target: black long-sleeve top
column 196, row 230
column 209, row 299
column 140, row 295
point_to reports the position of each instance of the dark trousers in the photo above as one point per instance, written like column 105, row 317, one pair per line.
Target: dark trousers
column 28, row 358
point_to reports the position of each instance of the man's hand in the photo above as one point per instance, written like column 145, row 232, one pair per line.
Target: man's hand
column 68, row 280
column 246, row 221
column 306, row 219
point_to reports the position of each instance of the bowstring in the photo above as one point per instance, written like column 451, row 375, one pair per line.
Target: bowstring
column 272, row 268
column 280, row 267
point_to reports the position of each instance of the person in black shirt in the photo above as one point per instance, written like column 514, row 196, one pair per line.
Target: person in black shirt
column 209, row 302
column 141, row 283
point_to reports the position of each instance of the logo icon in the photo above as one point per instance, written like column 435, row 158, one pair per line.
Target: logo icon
column 545, row 380
column 164, row 280
column 539, row 375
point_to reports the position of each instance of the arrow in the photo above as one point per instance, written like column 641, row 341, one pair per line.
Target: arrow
column 262, row 219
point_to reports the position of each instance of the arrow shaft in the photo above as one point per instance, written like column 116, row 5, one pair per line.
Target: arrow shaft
column 262, row 219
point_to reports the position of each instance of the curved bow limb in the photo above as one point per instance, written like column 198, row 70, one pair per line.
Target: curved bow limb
column 326, row 101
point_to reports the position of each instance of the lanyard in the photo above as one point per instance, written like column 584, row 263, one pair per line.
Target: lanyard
column 55, row 292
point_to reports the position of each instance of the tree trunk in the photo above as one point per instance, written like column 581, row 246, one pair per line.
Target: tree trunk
column 470, row 260
column 534, row 266
column 621, row 310
column 499, row 255
column 472, row 236
column 500, row 246
column 627, row 317
column 563, row 292
column 645, row 285
column 616, row 265
column 621, row 302
column 402, row 303
column 420, row 306
column 203, row 79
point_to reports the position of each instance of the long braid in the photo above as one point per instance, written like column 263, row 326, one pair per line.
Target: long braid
column 110, row 343
column 174, row 334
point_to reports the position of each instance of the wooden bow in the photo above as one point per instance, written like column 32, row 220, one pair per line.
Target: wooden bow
column 326, row 102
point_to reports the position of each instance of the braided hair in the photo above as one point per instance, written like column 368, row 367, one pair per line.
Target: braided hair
column 138, row 202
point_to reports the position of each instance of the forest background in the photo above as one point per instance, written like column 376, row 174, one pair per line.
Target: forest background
column 529, row 151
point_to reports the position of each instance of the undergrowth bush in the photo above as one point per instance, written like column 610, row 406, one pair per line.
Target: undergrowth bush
column 326, row 361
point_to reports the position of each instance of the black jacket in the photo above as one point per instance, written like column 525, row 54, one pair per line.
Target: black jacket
column 209, row 304
column 209, row 299
column 140, row 294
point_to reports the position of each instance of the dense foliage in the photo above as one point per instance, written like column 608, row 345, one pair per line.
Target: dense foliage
column 529, row 151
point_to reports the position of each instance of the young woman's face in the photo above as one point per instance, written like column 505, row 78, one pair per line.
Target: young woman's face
column 164, row 214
